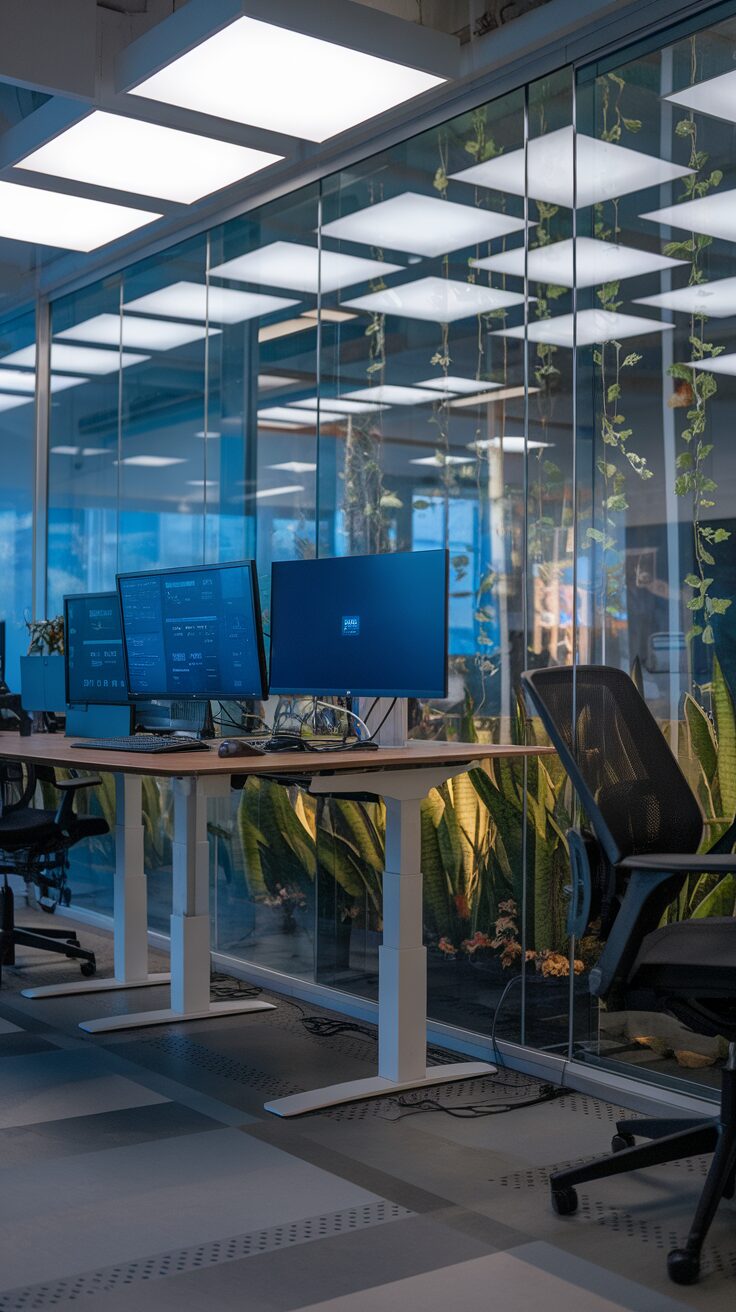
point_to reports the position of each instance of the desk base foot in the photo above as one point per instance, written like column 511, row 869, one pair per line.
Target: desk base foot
column 94, row 986
column 376, row 1087
column 166, row 1016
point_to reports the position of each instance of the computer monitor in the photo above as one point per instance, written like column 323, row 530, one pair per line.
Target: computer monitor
column 365, row 626
column 2, row 654
column 93, row 650
column 193, row 633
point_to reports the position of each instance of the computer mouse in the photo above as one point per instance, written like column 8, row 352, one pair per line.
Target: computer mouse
column 237, row 747
column 287, row 742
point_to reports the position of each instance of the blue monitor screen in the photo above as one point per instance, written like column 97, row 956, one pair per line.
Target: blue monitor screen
column 372, row 626
column 93, row 650
column 193, row 632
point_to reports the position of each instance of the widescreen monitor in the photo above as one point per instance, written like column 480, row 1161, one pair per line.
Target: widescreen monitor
column 93, row 650
column 193, row 633
column 365, row 626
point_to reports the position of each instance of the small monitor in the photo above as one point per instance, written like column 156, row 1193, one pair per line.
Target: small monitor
column 193, row 633
column 93, row 642
column 365, row 626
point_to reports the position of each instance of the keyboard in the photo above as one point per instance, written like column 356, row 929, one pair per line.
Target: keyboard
column 144, row 742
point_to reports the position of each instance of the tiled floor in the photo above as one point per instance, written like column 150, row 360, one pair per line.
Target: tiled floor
column 139, row 1171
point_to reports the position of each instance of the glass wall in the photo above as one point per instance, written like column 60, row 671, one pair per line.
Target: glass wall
column 487, row 339
column 17, row 446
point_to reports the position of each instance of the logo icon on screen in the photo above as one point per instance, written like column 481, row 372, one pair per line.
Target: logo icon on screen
column 350, row 626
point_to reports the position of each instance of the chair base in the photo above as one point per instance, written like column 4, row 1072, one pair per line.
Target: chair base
column 63, row 941
column 669, row 1141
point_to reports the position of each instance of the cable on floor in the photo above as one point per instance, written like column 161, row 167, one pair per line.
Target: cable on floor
column 223, row 988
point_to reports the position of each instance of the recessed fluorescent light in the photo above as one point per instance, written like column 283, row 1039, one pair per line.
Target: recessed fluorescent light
column 386, row 394
column 511, row 445
column 202, row 482
column 713, row 215
column 721, row 364
column 76, row 359
column 151, row 462
column 438, row 300
column 12, row 402
column 302, row 268
column 277, row 491
column 712, row 298
column 421, row 224
column 592, row 326
column 75, row 451
column 440, row 460
column 717, row 96
column 454, row 385
column 604, row 171
column 594, row 262
column 338, row 405
column 295, row 467
column 129, row 154
column 290, row 416
column 145, row 334
column 281, row 424
column 210, row 433
column 285, row 81
column 17, row 380
column 285, row 328
column 193, row 300
column 268, row 382
column 328, row 316
column 490, row 398
column 73, row 223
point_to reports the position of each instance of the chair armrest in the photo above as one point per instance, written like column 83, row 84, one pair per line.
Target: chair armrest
column 69, row 789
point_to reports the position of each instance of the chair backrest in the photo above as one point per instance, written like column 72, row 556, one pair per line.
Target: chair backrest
column 628, row 781
column 17, row 786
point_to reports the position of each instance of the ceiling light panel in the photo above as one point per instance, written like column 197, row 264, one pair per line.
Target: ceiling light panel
column 721, row 364
column 510, row 444
column 129, row 154
column 584, row 261
column 302, row 268
column 437, row 300
column 717, row 97
column 716, row 299
column 51, row 218
column 12, row 402
column 146, row 334
column 76, row 359
column 293, row 416
column 421, row 225
column 715, row 215
column 592, row 326
column 339, row 405
column 269, row 382
column 152, row 462
column 285, row 81
column 453, row 385
column 386, row 394
column 440, row 460
column 193, row 300
column 265, row 492
column 295, row 467
column 604, row 171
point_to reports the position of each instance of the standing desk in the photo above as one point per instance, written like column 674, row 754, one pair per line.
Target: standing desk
column 403, row 776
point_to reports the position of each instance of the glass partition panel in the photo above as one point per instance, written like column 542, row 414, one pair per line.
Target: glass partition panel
column 17, row 444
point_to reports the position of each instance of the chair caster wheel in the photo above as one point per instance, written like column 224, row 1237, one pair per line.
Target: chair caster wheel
column 621, row 1141
column 88, row 968
column 683, row 1267
column 565, row 1201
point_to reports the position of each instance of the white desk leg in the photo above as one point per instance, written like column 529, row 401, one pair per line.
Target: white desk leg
column 130, row 911
column 402, row 960
column 190, row 919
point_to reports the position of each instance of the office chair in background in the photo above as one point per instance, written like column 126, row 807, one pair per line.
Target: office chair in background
column 35, row 843
column 645, row 829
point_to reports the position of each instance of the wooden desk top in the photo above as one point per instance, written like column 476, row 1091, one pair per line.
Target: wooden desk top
column 55, row 749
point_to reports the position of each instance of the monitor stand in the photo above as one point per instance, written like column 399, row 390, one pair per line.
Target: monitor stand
column 99, row 721
column 395, row 732
column 193, row 717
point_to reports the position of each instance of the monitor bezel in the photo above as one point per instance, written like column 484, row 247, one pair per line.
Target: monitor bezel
column 148, row 696
column 89, row 596
column 423, row 694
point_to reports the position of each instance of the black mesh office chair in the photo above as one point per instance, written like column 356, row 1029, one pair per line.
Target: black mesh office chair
column 35, row 843
column 645, row 828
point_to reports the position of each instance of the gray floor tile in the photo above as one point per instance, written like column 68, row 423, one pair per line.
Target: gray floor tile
column 7, row 1027
column 51, row 1086
column 130, row 1202
column 85, row 1134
